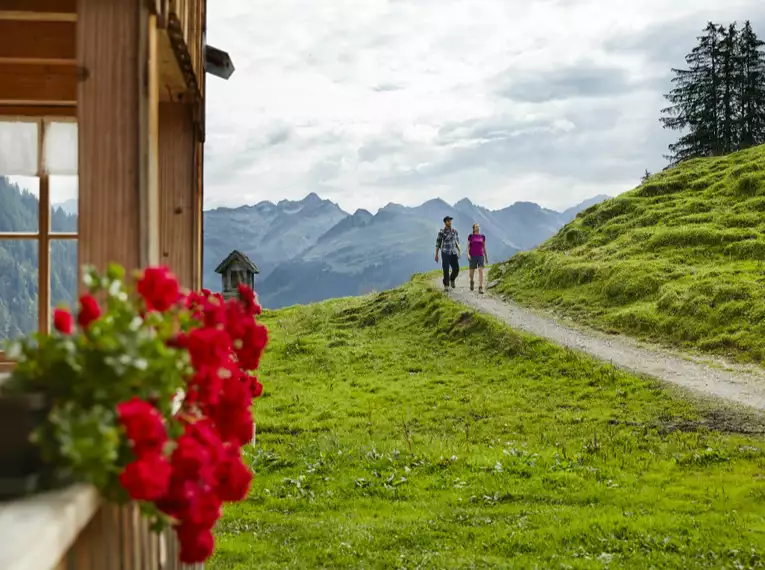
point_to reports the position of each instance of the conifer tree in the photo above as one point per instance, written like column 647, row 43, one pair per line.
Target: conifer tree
column 751, row 88
column 718, row 102
column 695, row 100
column 729, row 82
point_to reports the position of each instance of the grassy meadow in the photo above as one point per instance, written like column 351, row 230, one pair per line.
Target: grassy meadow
column 680, row 259
column 400, row 430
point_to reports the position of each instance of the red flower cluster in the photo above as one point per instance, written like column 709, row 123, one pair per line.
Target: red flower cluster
column 205, row 467
column 159, row 288
column 148, row 476
column 63, row 320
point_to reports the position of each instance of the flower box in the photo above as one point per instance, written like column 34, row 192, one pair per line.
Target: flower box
column 22, row 468
column 146, row 394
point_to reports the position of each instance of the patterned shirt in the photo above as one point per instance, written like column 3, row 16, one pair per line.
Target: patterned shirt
column 447, row 240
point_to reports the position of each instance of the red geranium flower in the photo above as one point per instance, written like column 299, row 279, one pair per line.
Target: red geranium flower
column 190, row 457
column 232, row 476
column 209, row 348
column 205, row 433
column 247, row 297
column 89, row 311
column 197, row 544
column 143, row 424
column 159, row 288
column 63, row 321
column 147, row 478
column 234, row 425
column 253, row 344
column 256, row 388
column 203, row 509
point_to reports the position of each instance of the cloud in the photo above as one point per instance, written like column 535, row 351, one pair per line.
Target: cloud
column 406, row 100
column 580, row 80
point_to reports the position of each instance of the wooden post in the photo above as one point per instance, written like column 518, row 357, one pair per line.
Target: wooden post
column 114, row 101
column 177, row 186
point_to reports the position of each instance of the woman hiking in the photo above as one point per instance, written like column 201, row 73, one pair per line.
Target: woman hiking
column 477, row 255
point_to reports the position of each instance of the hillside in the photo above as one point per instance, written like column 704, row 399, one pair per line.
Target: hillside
column 311, row 250
column 680, row 260
column 400, row 430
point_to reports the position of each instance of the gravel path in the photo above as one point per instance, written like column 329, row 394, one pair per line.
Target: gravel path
column 734, row 384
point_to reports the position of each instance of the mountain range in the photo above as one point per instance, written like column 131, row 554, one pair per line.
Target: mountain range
column 310, row 250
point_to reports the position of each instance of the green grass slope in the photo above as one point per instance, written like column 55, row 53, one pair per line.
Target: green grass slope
column 399, row 430
column 678, row 260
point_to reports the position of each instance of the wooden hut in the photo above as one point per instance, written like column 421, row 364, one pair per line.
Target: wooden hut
column 114, row 92
column 235, row 270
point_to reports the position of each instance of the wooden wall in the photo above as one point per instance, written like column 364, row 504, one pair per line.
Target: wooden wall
column 177, row 182
column 140, row 160
column 113, row 111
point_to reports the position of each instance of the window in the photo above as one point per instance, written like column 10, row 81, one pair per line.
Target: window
column 38, row 223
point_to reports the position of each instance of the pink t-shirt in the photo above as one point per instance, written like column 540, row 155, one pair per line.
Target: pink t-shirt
column 476, row 242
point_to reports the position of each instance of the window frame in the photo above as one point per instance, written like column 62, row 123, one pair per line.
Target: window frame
column 44, row 236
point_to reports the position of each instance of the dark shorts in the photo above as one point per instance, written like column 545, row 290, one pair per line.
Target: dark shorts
column 476, row 261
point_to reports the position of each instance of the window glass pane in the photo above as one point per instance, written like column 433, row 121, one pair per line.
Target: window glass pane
column 19, row 206
column 60, row 151
column 18, row 288
column 63, row 273
column 18, row 148
column 63, row 200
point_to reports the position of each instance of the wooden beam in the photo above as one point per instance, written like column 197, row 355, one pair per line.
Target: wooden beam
column 112, row 50
column 43, row 252
column 177, row 178
column 172, row 82
column 15, row 109
column 38, row 40
column 198, row 213
column 150, row 198
column 24, row 16
column 38, row 83
column 38, row 6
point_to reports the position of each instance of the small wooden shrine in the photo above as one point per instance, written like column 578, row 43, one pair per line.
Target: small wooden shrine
column 235, row 269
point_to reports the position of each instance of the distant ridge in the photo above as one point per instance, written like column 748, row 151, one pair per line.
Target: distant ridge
column 311, row 249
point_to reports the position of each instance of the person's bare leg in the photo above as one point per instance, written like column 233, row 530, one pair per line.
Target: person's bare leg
column 480, row 279
column 472, row 272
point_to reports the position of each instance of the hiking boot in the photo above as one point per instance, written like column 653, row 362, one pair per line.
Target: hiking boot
column 446, row 288
column 453, row 284
column 471, row 285
column 480, row 290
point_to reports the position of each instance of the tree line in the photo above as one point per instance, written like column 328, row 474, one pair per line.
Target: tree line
column 718, row 100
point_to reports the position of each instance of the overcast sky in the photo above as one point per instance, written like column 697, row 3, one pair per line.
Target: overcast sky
column 373, row 101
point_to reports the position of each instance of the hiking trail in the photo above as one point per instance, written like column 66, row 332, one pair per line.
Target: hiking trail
column 733, row 382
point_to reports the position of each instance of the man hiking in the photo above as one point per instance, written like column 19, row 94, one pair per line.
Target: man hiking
column 448, row 241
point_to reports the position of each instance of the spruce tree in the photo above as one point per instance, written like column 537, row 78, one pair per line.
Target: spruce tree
column 751, row 88
column 729, row 82
column 695, row 100
column 719, row 101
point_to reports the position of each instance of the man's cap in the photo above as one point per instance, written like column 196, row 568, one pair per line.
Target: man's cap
column 447, row 218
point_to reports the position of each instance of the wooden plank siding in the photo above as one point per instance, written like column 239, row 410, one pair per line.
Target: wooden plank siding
column 112, row 111
column 177, row 182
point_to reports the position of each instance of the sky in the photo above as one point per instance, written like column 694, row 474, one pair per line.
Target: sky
column 367, row 102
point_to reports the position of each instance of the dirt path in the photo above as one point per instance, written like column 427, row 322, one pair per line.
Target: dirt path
column 734, row 383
